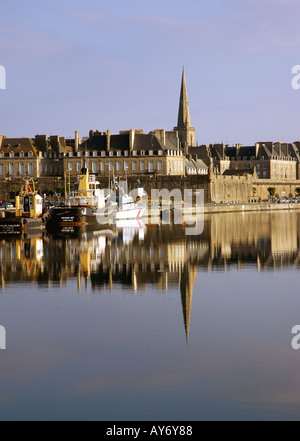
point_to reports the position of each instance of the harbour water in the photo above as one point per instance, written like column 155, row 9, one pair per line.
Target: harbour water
column 147, row 323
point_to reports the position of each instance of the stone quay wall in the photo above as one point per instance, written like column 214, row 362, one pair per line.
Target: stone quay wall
column 218, row 189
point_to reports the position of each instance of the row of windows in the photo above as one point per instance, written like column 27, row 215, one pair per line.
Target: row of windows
column 18, row 155
column 20, row 168
column 116, row 166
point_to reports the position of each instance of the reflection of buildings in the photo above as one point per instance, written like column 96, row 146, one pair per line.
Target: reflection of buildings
column 157, row 256
column 21, row 259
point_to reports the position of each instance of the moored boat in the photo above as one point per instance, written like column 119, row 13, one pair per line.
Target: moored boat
column 28, row 213
column 129, row 206
column 87, row 208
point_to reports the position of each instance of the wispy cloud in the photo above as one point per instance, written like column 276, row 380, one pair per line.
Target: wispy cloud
column 114, row 22
column 20, row 41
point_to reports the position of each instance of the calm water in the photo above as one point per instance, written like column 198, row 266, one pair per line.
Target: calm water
column 147, row 323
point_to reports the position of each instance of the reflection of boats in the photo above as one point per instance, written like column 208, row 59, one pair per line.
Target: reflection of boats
column 129, row 228
column 87, row 208
column 28, row 213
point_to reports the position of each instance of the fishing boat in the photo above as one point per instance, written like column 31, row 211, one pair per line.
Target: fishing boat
column 28, row 213
column 87, row 208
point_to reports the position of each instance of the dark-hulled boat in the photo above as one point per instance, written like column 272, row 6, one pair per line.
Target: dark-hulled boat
column 86, row 209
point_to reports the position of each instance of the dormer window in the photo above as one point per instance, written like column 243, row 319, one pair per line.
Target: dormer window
column 142, row 152
column 126, row 153
column 103, row 153
column 21, row 154
column 11, row 154
column 118, row 153
column 150, row 152
column 29, row 154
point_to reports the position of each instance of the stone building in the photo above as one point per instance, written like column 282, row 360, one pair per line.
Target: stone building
column 160, row 159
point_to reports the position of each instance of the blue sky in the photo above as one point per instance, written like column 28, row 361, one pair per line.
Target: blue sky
column 81, row 65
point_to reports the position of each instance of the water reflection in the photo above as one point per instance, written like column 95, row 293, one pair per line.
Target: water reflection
column 135, row 255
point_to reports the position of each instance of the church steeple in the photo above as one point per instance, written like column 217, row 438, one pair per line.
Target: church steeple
column 186, row 132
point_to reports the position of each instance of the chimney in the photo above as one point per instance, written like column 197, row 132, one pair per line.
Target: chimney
column 108, row 135
column 131, row 139
column 76, row 147
column 237, row 149
column 54, row 142
column 41, row 142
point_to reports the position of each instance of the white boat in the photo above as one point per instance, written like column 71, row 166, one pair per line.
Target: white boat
column 129, row 206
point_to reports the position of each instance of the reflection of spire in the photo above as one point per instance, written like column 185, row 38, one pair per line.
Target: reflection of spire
column 188, row 277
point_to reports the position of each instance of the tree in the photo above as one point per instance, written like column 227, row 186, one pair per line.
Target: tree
column 61, row 191
column 271, row 191
column 48, row 192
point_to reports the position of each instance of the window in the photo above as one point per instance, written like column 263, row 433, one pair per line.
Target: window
column 102, row 166
column 126, row 153
column 94, row 153
column 159, row 165
column 21, row 168
column 30, row 168
column 133, row 165
column 1, row 170
column 142, row 165
column 103, row 153
column 78, row 166
column 11, row 168
column 118, row 153
column 126, row 165
column 118, row 165
column 70, row 166
column 111, row 153
column 111, row 166
column 94, row 167
column 150, row 166
column 150, row 152
column 11, row 154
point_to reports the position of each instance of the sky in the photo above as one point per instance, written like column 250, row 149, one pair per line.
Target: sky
column 80, row 65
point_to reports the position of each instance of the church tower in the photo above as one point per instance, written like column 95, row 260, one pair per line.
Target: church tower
column 185, row 131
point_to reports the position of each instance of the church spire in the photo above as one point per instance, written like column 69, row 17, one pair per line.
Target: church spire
column 184, row 110
column 186, row 132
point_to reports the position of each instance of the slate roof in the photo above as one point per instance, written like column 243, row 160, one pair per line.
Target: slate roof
column 18, row 145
